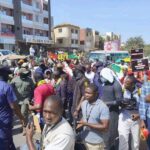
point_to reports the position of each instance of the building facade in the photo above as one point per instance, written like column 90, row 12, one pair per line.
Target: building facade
column 66, row 37
column 86, row 39
column 96, row 39
column 24, row 22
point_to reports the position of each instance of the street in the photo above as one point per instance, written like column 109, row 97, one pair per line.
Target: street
column 18, row 138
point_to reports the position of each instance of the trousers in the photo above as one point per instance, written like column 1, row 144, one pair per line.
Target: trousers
column 127, row 126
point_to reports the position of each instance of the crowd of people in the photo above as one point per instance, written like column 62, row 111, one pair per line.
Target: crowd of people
column 79, row 105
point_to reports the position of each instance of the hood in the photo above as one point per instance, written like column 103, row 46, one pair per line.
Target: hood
column 107, row 74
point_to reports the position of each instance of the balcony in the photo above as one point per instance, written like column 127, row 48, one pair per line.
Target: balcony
column 46, row 26
column 6, row 19
column 7, row 39
column 74, row 36
column 45, row 13
column 75, row 45
column 27, row 8
column 39, row 25
column 6, row 3
column 27, row 23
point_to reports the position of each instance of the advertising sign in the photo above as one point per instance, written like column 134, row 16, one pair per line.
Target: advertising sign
column 112, row 45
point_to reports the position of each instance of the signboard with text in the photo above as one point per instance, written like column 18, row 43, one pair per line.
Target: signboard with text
column 140, row 65
column 137, row 54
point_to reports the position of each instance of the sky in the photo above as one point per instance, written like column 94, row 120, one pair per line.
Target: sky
column 129, row 18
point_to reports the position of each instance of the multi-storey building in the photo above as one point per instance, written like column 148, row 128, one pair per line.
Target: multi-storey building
column 24, row 22
column 66, row 36
column 86, row 39
column 96, row 39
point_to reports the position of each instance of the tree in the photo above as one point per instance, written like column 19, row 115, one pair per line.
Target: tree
column 134, row 43
column 147, row 50
column 101, row 42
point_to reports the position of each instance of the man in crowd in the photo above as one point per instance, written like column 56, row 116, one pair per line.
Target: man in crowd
column 144, row 108
column 32, row 51
column 80, row 83
column 57, row 133
column 7, row 106
column 41, row 92
column 129, row 116
column 24, row 87
column 111, row 95
column 89, row 74
column 95, row 119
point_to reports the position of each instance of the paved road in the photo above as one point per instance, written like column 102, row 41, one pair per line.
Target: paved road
column 17, row 134
column 20, row 140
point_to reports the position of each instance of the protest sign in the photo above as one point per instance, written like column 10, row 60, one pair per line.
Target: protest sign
column 136, row 54
column 140, row 65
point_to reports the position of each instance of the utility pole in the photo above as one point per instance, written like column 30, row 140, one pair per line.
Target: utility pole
column 49, row 16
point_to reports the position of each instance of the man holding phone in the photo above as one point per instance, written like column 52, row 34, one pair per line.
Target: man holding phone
column 57, row 133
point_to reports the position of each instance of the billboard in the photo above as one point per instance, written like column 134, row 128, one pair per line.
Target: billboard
column 112, row 45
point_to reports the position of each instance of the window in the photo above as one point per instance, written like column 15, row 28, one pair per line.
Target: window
column 96, row 33
column 27, row 31
column 6, row 11
column 36, row 18
column 72, row 41
column 7, row 29
column 76, row 31
column 76, row 41
column 27, row 16
column 45, row 7
column 82, row 42
column 60, row 41
column 72, row 30
column 59, row 30
column 45, row 20
column 37, row 5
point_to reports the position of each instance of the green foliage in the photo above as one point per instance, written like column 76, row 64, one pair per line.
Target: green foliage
column 134, row 43
column 147, row 50
column 101, row 42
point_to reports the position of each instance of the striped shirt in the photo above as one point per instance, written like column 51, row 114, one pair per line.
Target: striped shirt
column 144, row 108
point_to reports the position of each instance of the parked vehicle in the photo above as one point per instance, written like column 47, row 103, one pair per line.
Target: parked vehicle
column 4, row 52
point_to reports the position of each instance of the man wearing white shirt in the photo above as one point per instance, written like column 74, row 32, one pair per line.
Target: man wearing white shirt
column 32, row 51
column 89, row 74
column 57, row 133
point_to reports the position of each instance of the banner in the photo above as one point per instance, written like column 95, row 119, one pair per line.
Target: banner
column 62, row 56
column 112, row 45
column 140, row 65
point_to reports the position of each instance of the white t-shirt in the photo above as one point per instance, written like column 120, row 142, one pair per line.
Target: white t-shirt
column 61, row 137
column 32, row 51
column 90, row 76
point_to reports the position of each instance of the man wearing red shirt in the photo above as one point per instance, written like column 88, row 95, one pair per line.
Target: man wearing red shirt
column 41, row 92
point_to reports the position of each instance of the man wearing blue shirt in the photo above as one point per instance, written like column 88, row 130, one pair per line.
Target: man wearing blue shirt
column 95, row 119
column 7, row 106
